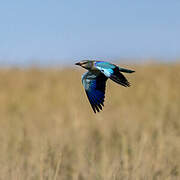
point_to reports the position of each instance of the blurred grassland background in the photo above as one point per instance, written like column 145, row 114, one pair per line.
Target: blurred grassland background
column 49, row 131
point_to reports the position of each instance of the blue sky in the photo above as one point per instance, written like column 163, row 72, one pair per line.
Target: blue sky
column 59, row 31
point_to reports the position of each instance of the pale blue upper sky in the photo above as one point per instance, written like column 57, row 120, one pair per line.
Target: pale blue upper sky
column 55, row 31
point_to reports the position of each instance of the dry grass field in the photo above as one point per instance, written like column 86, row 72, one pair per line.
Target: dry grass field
column 48, row 130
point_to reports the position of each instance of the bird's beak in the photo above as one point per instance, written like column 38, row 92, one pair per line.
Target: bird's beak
column 78, row 64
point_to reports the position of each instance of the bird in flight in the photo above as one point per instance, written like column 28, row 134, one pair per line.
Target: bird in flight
column 94, row 81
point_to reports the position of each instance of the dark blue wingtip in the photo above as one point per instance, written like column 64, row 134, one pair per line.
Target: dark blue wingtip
column 95, row 102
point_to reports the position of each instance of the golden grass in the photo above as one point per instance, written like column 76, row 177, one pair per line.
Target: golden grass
column 48, row 130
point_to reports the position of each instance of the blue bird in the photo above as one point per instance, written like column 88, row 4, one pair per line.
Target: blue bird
column 94, row 81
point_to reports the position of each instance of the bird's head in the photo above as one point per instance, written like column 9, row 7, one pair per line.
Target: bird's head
column 87, row 64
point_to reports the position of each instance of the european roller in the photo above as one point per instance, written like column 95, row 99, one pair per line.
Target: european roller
column 94, row 81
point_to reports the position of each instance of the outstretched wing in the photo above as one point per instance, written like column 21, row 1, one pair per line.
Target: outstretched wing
column 119, row 78
column 95, row 84
column 113, row 72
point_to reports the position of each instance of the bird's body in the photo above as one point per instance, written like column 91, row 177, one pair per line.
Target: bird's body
column 94, row 81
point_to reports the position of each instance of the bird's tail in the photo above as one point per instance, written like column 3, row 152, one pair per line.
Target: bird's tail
column 125, row 70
